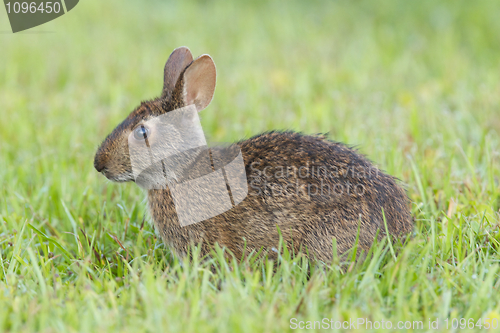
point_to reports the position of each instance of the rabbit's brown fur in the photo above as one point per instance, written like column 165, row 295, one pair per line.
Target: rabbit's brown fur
column 310, row 188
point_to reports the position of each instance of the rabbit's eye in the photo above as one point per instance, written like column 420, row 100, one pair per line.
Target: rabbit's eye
column 141, row 132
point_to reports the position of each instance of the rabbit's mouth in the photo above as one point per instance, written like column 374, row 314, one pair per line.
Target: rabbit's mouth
column 120, row 178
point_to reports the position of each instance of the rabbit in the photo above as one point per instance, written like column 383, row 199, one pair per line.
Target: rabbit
column 304, row 189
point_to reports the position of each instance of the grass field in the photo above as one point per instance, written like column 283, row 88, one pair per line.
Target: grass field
column 414, row 85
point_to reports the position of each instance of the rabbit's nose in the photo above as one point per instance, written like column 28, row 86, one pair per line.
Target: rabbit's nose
column 99, row 165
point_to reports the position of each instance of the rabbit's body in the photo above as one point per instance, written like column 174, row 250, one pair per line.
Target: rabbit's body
column 322, row 191
column 307, row 188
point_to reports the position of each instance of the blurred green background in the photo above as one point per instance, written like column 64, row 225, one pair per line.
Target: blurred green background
column 414, row 85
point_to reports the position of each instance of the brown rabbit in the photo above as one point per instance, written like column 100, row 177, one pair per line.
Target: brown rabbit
column 307, row 188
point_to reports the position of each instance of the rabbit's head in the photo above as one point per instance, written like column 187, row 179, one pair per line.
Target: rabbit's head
column 186, row 82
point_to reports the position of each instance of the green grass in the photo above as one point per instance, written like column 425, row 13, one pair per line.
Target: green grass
column 415, row 85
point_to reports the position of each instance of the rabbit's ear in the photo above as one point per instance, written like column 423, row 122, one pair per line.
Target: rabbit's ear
column 180, row 58
column 199, row 82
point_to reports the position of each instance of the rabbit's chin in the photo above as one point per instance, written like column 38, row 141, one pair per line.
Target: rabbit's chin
column 121, row 178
